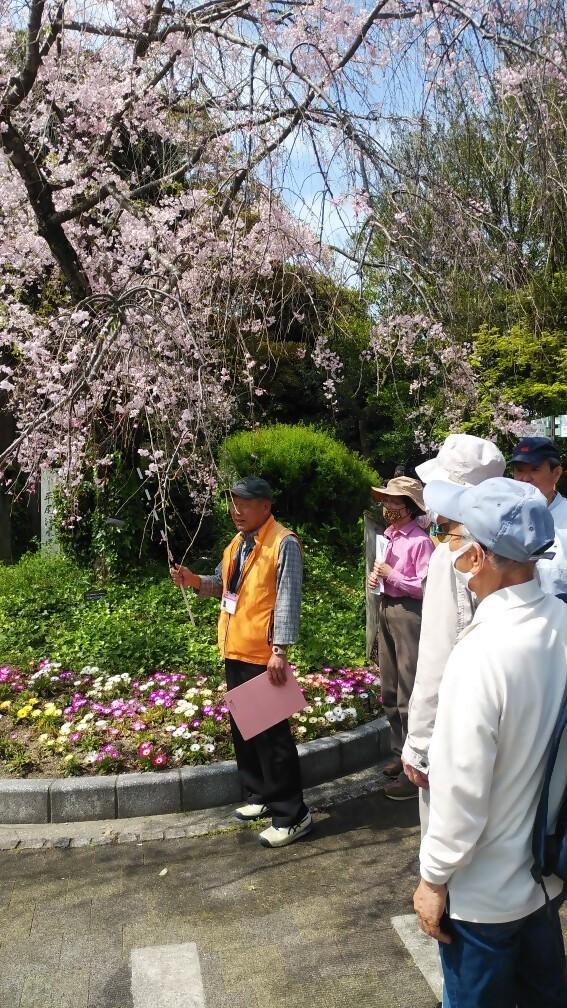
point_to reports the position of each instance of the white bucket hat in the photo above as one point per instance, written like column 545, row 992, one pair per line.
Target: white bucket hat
column 463, row 459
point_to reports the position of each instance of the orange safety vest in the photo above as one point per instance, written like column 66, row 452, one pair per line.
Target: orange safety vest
column 247, row 634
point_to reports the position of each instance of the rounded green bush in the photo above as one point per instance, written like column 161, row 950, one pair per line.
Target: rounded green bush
column 317, row 481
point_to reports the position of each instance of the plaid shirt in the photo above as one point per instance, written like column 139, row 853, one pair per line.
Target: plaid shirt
column 288, row 589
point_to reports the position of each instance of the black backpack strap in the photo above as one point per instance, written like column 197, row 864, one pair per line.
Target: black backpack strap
column 539, row 837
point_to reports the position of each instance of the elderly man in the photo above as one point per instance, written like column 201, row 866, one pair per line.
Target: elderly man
column 259, row 584
column 502, row 691
column 536, row 461
column 448, row 607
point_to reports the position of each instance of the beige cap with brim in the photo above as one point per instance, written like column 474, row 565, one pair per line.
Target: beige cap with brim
column 401, row 486
column 464, row 459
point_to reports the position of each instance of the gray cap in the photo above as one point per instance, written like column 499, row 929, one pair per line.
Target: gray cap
column 252, row 487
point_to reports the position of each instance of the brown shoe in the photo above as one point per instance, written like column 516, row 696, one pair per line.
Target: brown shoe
column 394, row 768
column 401, row 790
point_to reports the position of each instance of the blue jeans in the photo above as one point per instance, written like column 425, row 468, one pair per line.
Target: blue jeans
column 520, row 964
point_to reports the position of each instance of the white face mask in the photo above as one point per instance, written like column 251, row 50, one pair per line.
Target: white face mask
column 462, row 576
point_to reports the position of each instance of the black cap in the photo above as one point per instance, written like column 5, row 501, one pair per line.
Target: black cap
column 252, row 487
column 535, row 450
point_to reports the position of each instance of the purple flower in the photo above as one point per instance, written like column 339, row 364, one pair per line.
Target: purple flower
column 145, row 749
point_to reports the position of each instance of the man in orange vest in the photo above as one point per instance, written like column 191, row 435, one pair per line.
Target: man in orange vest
column 259, row 584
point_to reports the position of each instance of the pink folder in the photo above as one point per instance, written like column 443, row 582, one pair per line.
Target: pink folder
column 258, row 704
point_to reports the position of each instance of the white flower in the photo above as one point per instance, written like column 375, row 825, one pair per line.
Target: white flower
column 195, row 747
column 301, row 730
column 351, row 711
column 209, row 747
column 330, row 700
column 313, row 720
column 363, row 696
column 90, row 757
column 184, row 707
column 66, row 728
column 101, row 724
column 308, row 709
column 329, row 715
column 88, row 716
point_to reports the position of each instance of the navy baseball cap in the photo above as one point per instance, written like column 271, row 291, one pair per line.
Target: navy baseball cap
column 252, row 487
column 508, row 517
column 535, row 450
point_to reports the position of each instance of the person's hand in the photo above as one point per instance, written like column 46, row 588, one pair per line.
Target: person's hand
column 416, row 776
column 382, row 570
column 182, row 577
column 277, row 669
column 429, row 904
column 372, row 579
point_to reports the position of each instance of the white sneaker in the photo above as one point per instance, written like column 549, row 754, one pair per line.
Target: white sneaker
column 279, row 836
column 249, row 812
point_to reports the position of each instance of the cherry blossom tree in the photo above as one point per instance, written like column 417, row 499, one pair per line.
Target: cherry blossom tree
column 154, row 165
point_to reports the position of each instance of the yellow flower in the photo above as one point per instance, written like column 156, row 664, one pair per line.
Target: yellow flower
column 23, row 712
column 5, row 705
column 33, row 700
column 36, row 713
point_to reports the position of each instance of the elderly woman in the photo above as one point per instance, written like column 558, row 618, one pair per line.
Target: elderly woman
column 403, row 572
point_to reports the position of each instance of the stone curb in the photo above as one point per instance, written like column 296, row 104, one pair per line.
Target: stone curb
column 78, row 799
column 173, row 826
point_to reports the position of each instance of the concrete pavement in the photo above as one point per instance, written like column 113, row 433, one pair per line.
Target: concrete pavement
column 311, row 922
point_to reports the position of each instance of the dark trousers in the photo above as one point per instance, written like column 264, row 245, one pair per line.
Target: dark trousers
column 268, row 764
column 520, row 964
column 398, row 641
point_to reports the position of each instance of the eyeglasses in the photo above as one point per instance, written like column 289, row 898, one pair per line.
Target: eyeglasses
column 442, row 533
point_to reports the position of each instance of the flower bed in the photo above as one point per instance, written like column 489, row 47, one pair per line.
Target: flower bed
column 54, row 721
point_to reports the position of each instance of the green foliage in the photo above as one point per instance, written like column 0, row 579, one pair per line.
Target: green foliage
column 141, row 623
column 523, row 366
column 318, row 483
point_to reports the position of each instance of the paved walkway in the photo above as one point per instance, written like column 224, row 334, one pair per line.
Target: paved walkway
column 270, row 928
column 217, row 921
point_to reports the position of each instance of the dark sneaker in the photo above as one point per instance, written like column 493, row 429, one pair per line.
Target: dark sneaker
column 401, row 790
column 394, row 768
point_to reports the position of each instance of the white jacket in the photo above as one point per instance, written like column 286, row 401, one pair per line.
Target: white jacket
column 498, row 704
column 448, row 608
column 553, row 573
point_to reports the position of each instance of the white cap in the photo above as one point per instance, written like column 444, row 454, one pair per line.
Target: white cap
column 463, row 459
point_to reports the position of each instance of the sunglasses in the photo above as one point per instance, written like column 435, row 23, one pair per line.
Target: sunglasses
column 442, row 533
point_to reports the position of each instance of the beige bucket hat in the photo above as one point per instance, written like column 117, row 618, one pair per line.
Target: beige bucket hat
column 401, row 486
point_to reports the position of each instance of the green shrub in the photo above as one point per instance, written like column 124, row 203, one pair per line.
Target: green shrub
column 141, row 624
column 318, row 483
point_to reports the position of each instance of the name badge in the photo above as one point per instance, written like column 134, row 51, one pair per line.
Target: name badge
column 229, row 602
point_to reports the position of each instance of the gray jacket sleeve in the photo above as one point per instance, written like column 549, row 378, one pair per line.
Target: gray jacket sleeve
column 447, row 609
column 288, row 592
column 211, row 584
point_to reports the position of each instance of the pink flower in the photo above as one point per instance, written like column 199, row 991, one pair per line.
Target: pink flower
column 138, row 725
column 145, row 749
column 159, row 760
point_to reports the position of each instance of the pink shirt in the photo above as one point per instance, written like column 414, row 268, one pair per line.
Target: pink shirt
column 408, row 554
